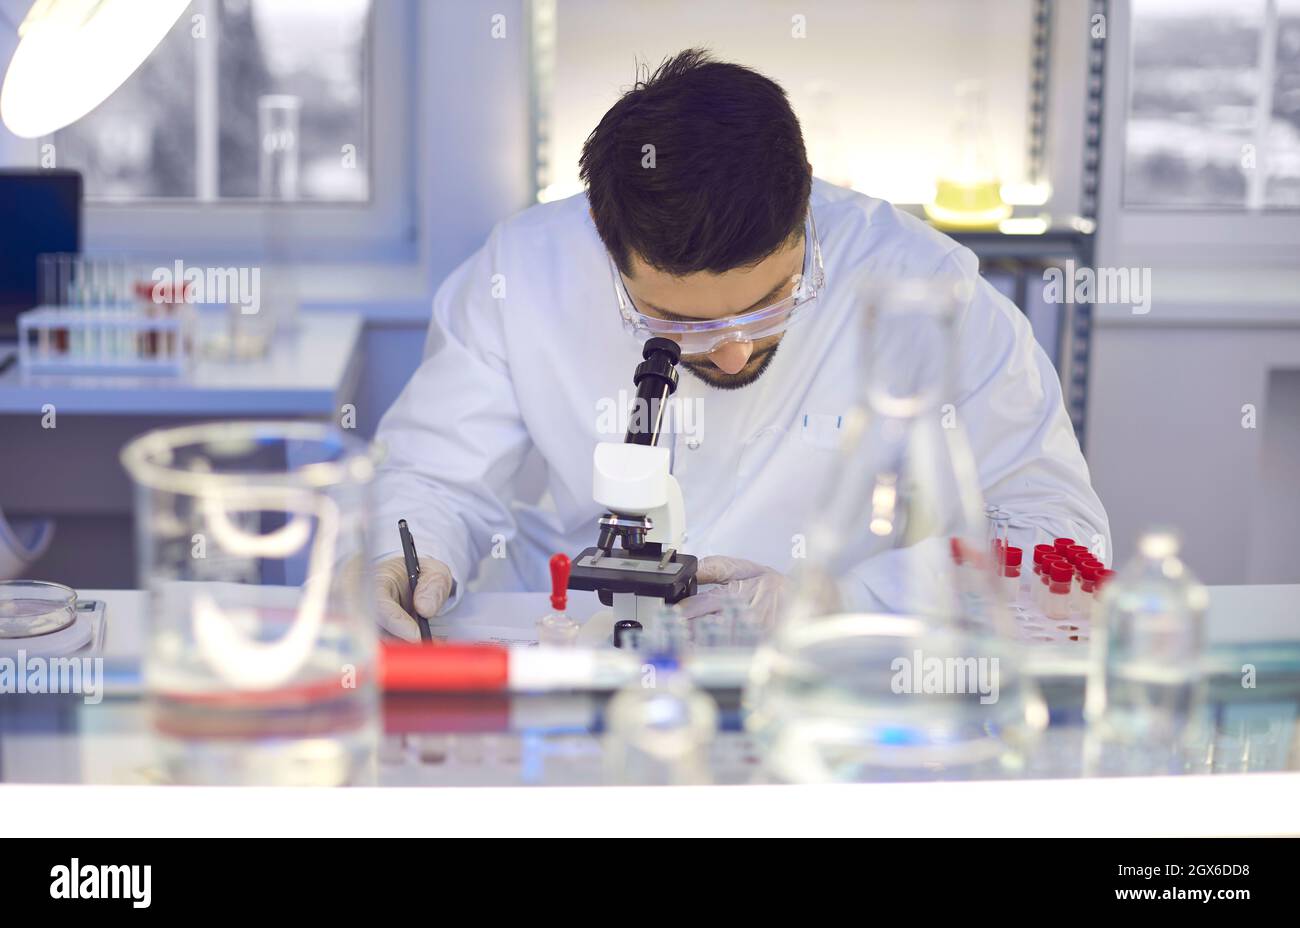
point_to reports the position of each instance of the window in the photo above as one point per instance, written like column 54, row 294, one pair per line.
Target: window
column 244, row 100
column 1214, row 105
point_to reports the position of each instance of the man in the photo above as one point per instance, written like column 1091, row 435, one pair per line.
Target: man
column 699, row 190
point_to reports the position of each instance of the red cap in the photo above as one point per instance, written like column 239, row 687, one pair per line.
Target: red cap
column 1062, row 543
column 1040, row 551
column 1103, row 576
column 954, row 545
column 559, row 582
column 1011, row 556
column 1062, row 573
column 1089, row 571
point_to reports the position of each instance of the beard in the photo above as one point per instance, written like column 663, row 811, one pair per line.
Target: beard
column 753, row 369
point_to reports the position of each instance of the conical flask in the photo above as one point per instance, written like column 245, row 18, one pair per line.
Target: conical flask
column 968, row 193
column 894, row 657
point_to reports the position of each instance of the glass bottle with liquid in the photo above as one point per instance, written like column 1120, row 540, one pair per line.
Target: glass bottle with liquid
column 1146, row 690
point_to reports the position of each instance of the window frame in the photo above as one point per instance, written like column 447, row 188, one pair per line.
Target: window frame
column 1149, row 236
column 384, row 226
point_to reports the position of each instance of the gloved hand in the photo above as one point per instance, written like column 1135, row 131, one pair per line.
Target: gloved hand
column 393, row 594
column 756, row 589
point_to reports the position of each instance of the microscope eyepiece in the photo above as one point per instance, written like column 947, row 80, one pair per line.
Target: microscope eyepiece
column 667, row 345
column 655, row 380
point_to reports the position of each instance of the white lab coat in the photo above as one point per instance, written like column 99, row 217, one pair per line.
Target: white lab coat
column 489, row 447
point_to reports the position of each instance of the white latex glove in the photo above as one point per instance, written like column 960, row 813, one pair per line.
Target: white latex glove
column 393, row 594
column 756, row 589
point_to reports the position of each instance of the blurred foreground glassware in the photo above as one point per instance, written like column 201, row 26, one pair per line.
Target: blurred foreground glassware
column 260, row 658
column 895, row 658
column 1145, row 702
column 660, row 728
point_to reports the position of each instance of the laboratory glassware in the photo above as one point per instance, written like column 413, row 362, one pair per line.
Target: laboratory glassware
column 102, row 315
column 659, row 729
column 895, row 657
column 279, row 119
column 35, row 607
column 260, row 647
column 1146, row 690
column 968, row 194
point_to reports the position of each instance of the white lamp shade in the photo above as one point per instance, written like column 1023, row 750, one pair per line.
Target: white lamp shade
column 72, row 55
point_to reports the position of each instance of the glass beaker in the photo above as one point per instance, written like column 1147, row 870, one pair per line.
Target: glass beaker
column 261, row 640
column 895, row 658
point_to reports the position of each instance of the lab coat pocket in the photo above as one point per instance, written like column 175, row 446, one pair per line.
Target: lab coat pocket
column 821, row 430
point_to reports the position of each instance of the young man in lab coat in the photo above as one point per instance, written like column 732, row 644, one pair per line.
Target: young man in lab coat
column 699, row 189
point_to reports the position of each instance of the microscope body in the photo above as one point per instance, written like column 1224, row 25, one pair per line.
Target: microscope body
column 646, row 513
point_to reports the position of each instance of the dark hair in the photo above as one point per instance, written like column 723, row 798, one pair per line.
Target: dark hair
column 730, row 180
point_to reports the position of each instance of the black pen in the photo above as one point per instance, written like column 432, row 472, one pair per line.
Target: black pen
column 413, row 575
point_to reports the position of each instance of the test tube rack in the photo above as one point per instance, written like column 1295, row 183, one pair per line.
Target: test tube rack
column 113, row 340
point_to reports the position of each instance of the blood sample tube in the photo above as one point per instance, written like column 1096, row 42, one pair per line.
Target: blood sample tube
column 1058, row 591
column 1075, row 553
column 1045, row 576
column 1087, row 584
column 1009, row 566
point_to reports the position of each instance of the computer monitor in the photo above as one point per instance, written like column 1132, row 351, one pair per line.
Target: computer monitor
column 40, row 213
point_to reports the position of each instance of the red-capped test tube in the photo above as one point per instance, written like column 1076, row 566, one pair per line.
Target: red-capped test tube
column 1076, row 553
column 1045, row 576
column 1088, row 578
column 1009, row 568
column 1040, row 552
column 1061, row 579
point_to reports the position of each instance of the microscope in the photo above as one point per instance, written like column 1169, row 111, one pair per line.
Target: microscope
column 637, row 564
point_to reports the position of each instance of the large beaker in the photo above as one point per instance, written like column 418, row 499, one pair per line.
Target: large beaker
column 260, row 645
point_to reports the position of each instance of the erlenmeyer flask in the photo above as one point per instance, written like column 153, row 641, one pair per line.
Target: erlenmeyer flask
column 895, row 658
column 968, row 193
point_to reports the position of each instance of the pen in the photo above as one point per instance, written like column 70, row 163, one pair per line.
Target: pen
column 413, row 575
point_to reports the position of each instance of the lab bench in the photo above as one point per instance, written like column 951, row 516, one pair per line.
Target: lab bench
column 504, row 740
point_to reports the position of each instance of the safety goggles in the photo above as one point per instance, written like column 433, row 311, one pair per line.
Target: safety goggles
column 704, row 335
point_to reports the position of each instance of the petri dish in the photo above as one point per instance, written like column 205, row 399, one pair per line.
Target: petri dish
column 34, row 607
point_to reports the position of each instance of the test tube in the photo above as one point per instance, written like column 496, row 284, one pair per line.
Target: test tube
column 1060, row 579
column 1009, row 567
column 72, row 300
column 997, row 522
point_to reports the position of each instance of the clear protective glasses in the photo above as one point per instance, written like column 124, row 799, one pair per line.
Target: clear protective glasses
column 704, row 335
